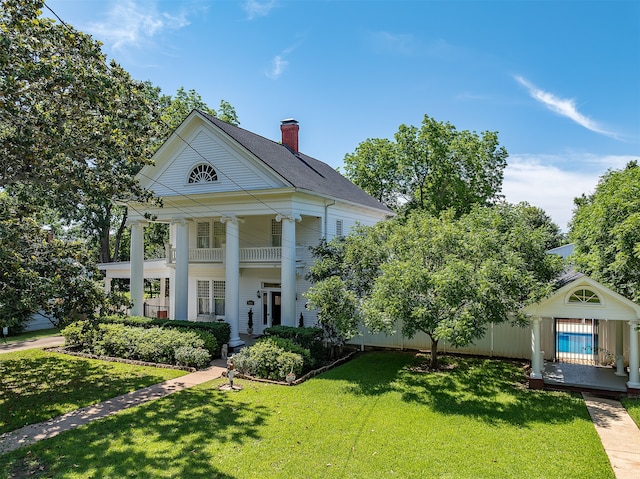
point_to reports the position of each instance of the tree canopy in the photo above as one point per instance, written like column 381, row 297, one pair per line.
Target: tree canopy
column 445, row 276
column 74, row 132
column 432, row 168
column 605, row 230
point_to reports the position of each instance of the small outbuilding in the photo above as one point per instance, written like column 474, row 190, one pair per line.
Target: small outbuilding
column 585, row 323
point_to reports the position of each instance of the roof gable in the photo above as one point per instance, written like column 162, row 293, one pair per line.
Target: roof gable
column 611, row 306
column 301, row 171
column 195, row 143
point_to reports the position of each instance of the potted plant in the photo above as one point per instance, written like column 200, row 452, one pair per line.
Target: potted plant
column 250, row 322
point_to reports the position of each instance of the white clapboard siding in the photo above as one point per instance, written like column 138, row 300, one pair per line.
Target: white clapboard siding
column 234, row 172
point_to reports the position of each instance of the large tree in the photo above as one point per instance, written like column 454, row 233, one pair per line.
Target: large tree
column 432, row 168
column 445, row 276
column 39, row 273
column 605, row 229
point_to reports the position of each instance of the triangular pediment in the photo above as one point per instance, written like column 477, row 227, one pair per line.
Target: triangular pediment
column 196, row 144
column 584, row 297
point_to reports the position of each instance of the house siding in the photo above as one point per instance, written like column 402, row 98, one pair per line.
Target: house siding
column 235, row 173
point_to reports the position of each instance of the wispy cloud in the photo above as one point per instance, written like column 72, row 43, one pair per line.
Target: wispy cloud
column 563, row 106
column 254, row 8
column 279, row 64
column 131, row 24
column 551, row 182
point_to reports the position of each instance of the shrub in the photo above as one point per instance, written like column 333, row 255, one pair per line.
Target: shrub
column 290, row 346
column 267, row 360
column 308, row 337
column 192, row 357
column 158, row 345
column 83, row 334
column 210, row 343
column 220, row 330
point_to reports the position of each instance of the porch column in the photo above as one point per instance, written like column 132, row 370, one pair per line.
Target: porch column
column 620, row 349
column 136, row 282
column 181, row 285
column 288, row 268
column 536, row 360
column 634, row 356
column 232, row 279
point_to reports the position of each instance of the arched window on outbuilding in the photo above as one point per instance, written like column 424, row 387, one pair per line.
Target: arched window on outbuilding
column 584, row 295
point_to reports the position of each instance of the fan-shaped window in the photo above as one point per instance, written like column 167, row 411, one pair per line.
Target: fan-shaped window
column 203, row 173
column 584, row 296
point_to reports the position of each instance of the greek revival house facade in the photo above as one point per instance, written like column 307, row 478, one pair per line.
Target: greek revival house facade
column 243, row 211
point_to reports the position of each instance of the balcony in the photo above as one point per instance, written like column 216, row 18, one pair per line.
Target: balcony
column 262, row 255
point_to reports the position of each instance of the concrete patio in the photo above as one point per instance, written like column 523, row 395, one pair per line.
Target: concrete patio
column 582, row 377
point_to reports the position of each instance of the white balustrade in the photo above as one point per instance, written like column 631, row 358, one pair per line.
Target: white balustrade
column 266, row 254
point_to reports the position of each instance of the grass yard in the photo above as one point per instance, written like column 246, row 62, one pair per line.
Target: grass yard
column 42, row 333
column 377, row 416
column 36, row 385
column 633, row 408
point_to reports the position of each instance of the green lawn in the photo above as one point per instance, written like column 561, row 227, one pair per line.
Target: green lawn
column 42, row 333
column 633, row 408
column 377, row 416
column 36, row 385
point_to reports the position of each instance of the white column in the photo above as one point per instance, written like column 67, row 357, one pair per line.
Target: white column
column 232, row 279
column 634, row 356
column 620, row 349
column 136, row 284
column 536, row 360
column 181, row 284
column 288, row 268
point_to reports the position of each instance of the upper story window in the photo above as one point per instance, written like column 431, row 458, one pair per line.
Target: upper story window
column 203, row 173
column 339, row 230
column 205, row 239
column 584, row 296
column 276, row 233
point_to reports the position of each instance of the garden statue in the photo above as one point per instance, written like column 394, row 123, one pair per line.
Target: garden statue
column 250, row 322
column 230, row 371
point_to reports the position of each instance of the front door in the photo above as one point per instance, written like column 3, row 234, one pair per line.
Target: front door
column 275, row 308
column 271, row 308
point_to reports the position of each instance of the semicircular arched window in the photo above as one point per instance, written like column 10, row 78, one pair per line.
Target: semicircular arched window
column 584, row 296
column 203, row 173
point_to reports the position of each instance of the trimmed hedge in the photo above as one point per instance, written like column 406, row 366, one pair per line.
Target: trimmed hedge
column 220, row 330
column 157, row 345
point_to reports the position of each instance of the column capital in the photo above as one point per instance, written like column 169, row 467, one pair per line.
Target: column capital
column 231, row 219
column 292, row 217
column 179, row 221
column 142, row 223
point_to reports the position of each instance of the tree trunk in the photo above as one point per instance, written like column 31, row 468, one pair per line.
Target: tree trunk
column 434, row 353
column 118, row 238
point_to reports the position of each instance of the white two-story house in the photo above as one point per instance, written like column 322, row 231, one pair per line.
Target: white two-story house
column 243, row 211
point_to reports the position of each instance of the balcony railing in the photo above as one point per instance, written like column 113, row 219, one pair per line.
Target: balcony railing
column 267, row 254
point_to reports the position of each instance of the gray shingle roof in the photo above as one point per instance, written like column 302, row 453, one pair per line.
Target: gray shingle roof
column 302, row 171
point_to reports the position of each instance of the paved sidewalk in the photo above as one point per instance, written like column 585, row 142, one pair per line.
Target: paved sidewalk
column 620, row 436
column 46, row 342
column 30, row 434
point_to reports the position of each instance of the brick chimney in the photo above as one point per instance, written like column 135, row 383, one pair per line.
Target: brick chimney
column 289, row 129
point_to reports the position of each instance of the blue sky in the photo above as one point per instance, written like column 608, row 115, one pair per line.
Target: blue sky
column 559, row 80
